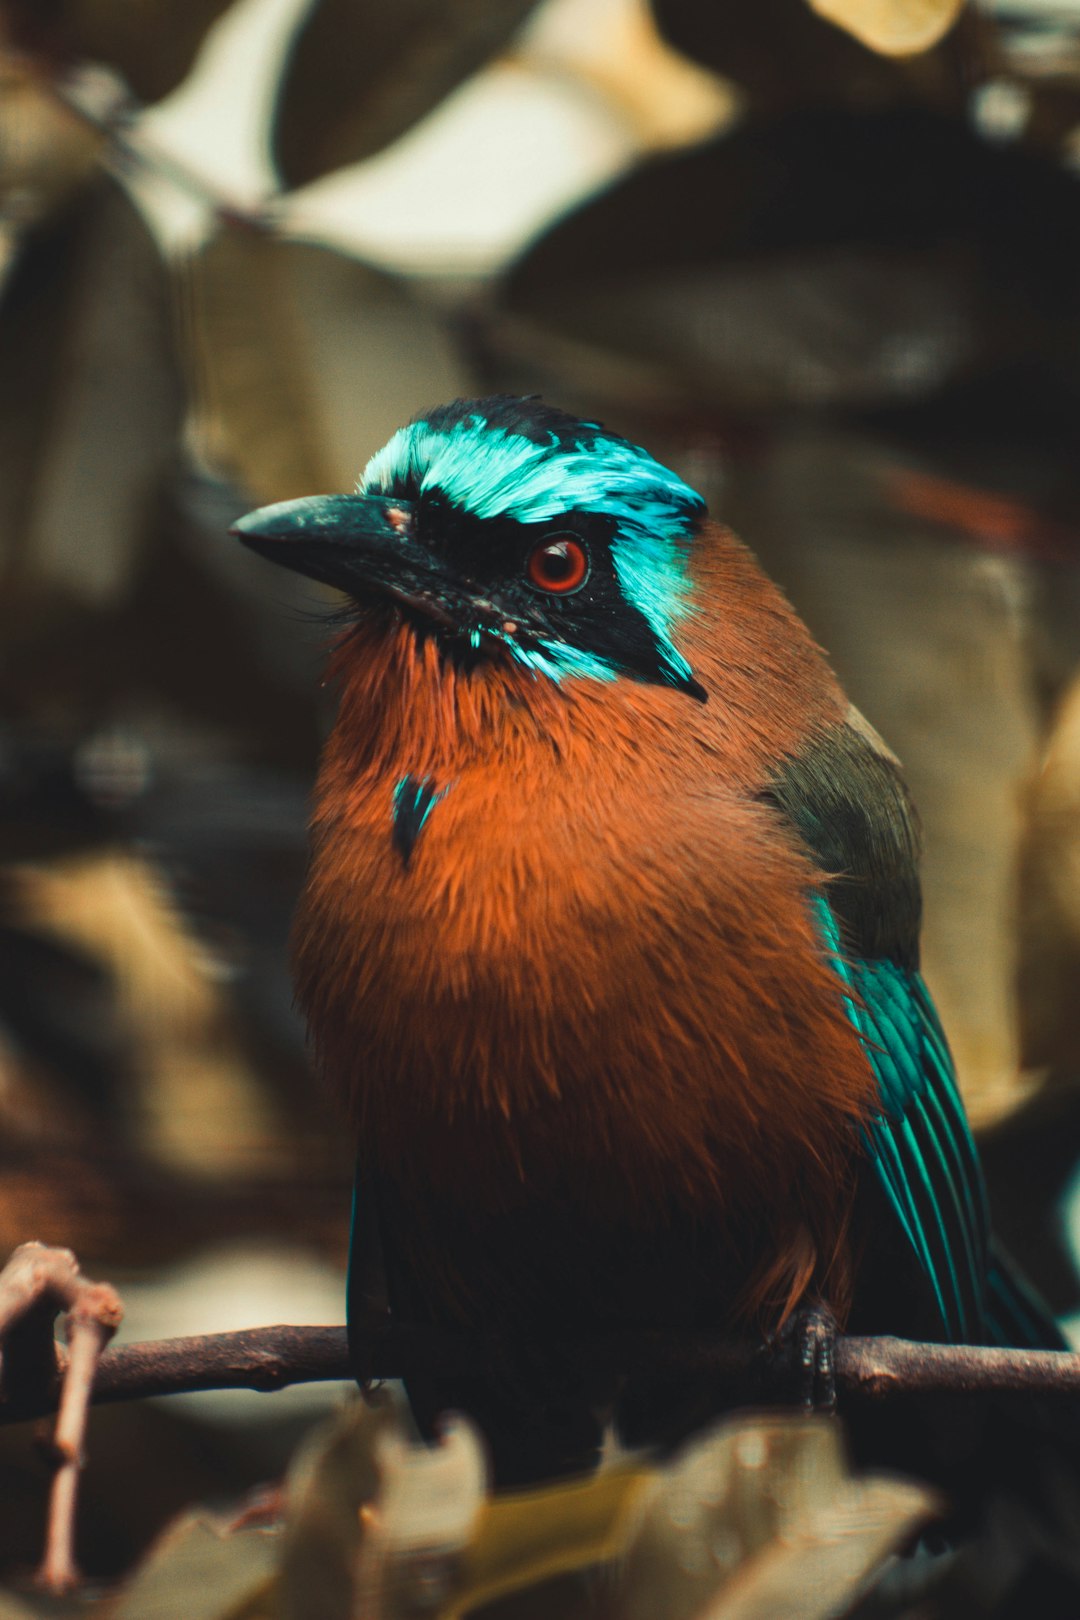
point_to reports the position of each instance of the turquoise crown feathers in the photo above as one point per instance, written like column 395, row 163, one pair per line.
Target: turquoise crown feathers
column 522, row 460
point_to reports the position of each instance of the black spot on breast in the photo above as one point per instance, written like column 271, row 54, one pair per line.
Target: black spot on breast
column 415, row 797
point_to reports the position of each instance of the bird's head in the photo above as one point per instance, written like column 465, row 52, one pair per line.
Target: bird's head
column 509, row 530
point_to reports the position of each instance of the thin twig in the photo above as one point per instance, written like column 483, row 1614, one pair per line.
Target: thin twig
column 270, row 1358
column 89, row 1330
column 876, row 1369
column 102, row 103
column 36, row 1284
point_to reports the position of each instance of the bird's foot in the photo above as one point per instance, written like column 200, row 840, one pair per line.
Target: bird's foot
column 807, row 1345
column 36, row 1284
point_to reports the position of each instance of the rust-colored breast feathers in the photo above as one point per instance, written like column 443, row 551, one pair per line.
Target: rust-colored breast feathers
column 599, row 958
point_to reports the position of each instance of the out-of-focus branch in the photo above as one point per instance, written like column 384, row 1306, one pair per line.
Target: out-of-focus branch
column 98, row 99
column 270, row 1358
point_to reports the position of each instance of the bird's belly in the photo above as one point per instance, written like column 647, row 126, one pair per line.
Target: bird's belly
column 587, row 1035
column 557, row 1264
column 490, row 1029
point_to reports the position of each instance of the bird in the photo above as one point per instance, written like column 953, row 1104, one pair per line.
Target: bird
column 609, row 940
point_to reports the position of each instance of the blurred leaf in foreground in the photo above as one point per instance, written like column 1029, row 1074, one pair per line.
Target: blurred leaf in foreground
column 335, row 1474
column 42, row 1606
column 199, row 1570
column 761, row 1517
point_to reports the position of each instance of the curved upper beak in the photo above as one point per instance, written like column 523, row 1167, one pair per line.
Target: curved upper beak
column 358, row 543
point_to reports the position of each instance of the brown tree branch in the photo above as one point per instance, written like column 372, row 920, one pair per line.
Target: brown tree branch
column 876, row 1369
column 270, row 1358
column 100, row 101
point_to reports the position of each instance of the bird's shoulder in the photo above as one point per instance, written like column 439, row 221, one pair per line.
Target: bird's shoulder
column 844, row 795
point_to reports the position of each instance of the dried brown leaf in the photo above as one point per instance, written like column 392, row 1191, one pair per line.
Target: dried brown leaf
column 335, row 1474
column 761, row 1518
column 199, row 1571
column 359, row 76
column 255, row 391
column 382, row 1527
column 617, row 52
column 893, row 27
column 152, row 43
column 306, row 362
column 846, row 258
column 90, row 407
column 1050, row 902
column 32, row 1603
column 36, row 1606
column 526, row 1539
column 46, row 151
column 784, row 53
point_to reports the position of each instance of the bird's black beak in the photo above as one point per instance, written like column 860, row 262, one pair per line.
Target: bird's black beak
column 363, row 544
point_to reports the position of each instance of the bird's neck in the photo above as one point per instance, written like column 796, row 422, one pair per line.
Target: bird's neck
column 406, row 708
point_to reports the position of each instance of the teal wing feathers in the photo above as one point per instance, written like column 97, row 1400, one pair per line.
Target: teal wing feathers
column 844, row 797
column 920, row 1143
column 1015, row 1314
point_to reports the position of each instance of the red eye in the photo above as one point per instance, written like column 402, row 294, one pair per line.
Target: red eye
column 559, row 564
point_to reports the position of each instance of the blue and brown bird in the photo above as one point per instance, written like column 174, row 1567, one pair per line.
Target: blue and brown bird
column 610, row 937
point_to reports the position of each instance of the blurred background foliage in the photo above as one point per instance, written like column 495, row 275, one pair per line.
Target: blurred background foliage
column 824, row 258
